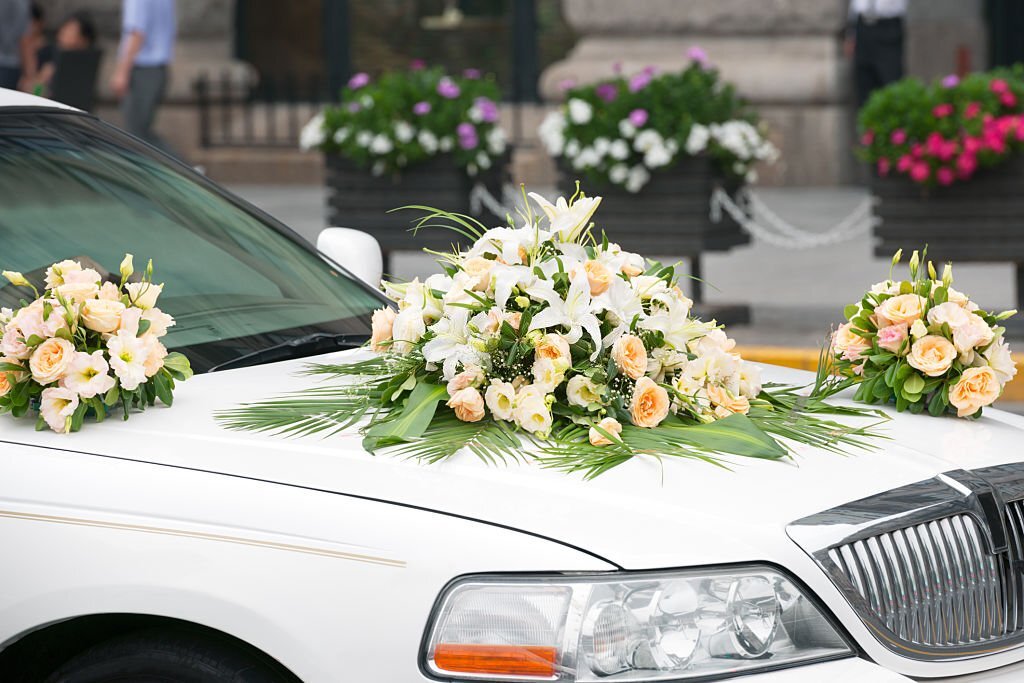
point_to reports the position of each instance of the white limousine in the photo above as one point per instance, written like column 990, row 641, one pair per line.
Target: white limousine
column 165, row 548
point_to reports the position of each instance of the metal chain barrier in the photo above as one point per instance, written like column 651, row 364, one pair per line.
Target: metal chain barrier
column 747, row 209
column 776, row 231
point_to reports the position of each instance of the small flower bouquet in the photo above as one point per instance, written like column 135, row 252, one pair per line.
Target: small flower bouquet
column 943, row 132
column 85, row 345
column 621, row 130
column 924, row 345
column 406, row 117
column 548, row 335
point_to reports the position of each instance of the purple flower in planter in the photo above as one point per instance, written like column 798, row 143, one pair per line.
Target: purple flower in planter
column 951, row 81
column 468, row 139
column 641, row 80
column 472, row 74
column 617, row 68
column 354, row 107
column 421, row 108
column 697, row 55
column 448, row 89
column 608, row 92
column 487, row 108
column 417, row 65
column 359, row 80
column 638, row 117
column 566, row 84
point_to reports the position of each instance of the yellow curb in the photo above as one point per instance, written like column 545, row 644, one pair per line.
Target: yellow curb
column 807, row 359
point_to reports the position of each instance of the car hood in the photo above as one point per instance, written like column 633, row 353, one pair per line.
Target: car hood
column 647, row 513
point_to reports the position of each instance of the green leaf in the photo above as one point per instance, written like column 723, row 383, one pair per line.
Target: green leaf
column 112, row 396
column 144, row 326
column 415, row 417
column 914, row 384
column 735, row 435
column 178, row 365
column 34, row 340
column 850, row 311
column 11, row 367
column 162, row 388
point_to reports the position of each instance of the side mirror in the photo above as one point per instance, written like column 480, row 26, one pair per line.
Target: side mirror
column 357, row 251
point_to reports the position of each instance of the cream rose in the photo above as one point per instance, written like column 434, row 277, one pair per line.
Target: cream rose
column 80, row 285
column 555, row 347
column 976, row 388
column 953, row 314
column 973, row 334
column 51, row 359
column 468, row 405
column 382, row 322
column 905, row 308
column 531, row 411
column 599, row 277
column 650, row 403
column 630, row 356
column 582, row 391
column 102, row 315
column 500, row 398
column 721, row 398
column 608, row 424
column 55, row 273
column 933, row 355
column 548, row 373
column 479, row 270
column 109, row 291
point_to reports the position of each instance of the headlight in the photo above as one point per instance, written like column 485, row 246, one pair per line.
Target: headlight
column 692, row 624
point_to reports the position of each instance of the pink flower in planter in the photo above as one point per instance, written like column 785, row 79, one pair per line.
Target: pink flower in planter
column 966, row 165
column 359, row 80
column 904, row 163
column 608, row 92
column 920, row 171
column 488, row 109
column 638, row 117
column 941, row 111
column 916, row 150
column 698, row 55
column 945, row 175
column 998, row 86
column 468, row 138
column 972, row 110
column 617, row 68
column 933, row 144
column 448, row 89
column 421, row 108
column 972, row 145
column 641, row 80
column 898, row 137
column 472, row 74
column 417, row 65
column 867, row 138
column 950, row 81
column 1008, row 99
column 566, row 84
column 883, row 166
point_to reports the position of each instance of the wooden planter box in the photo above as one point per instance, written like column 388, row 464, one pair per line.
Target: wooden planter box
column 670, row 216
column 358, row 199
column 978, row 220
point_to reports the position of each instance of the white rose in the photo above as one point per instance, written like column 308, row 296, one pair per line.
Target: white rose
column 500, row 398
column 973, row 334
column 582, row 391
column 949, row 312
column 102, row 315
column 531, row 410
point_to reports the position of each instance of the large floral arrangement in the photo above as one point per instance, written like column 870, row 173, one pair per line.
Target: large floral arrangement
column 621, row 130
column 86, row 346
column 548, row 334
column 943, row 132
column 923, row 345
column 407, row 117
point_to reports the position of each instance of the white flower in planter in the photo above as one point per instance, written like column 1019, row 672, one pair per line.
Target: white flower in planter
column 428, row 141
column 445, row 144
column 657, row 156
column 364, row 138
column 483, row 161
column 381, row 144
column 496, row 141
column 647, row 140
column 619, row 150
column 626, row 129
column 697, row 141
column 312, row 134
column 551, row 132
column 618, row 173
column 404, row 132
column 638, row 177
column 341, row 135
column 580, row 112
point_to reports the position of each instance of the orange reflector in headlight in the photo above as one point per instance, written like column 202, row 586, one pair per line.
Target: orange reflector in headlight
column 507, row 660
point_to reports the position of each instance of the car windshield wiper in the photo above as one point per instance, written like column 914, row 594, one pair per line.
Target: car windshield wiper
column 297, row 347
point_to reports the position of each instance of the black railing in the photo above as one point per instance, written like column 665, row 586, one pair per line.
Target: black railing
column 251, row 112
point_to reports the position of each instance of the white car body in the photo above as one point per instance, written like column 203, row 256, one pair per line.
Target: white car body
column 330, row 560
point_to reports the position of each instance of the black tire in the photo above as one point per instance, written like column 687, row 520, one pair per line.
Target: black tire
column 167, row 656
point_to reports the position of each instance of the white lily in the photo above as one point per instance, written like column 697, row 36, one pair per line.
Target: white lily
column 451, row 344
column 675, row 323
column 622, row 304
column 574, row 312
column 568, row 220
column 508, row 277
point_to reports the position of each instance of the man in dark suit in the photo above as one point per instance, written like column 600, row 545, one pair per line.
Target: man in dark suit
column 875, row 42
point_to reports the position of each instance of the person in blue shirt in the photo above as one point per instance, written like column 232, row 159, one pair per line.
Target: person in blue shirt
column 148, row 32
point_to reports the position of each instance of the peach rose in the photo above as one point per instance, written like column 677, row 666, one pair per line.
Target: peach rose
column 848, row 344
column 976, row 388
column 974, row 333
column 382, row 322
column 650, row 403
column 933, row 355
column 598, row 276
column 468, row 405
column 5, row 385
column 553, row 346
column 80, row 285
column 51, row 359
column 12, row 342
column 905, row 308
column 630, row 356
column 608, row 424
column 102, row 315
column 721, row 398
column 470, row 377
column 155, row 357
column 514, row 319
column 630, row 270
column 479, row 270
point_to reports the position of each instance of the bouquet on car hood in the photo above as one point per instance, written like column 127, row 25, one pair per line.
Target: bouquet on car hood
column 549, row 334
column 86, row 345
column 921, row 344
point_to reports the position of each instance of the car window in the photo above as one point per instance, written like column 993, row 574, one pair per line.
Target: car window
column 72, row 187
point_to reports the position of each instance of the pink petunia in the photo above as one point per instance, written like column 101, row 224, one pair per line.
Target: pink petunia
column 883, row 166
column 920, row 172
column 867, row 138
column 966, row 165
column 972, row 110
column 904, row 163
column 998, row 86
column 898, row 137
column 945, row 175
column 1008, row 99
column 941, row 111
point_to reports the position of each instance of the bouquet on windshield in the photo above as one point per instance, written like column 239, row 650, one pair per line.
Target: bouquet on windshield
column 84, row 345
column 923, row 345
column 549, row 333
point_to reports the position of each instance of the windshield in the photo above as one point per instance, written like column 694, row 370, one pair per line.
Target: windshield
column 237, row 282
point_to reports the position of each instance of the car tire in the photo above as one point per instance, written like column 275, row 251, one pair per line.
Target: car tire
column 166, row 656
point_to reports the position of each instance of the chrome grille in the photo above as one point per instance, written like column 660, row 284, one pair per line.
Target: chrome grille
column 933, row 583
